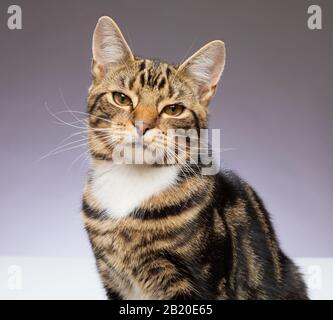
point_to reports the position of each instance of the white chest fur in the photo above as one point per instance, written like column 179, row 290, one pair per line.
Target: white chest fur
column 119, row 189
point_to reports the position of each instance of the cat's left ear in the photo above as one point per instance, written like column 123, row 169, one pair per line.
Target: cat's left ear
column 205, row 67
column 109, row 46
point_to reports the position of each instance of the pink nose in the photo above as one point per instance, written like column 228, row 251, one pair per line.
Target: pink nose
column 142, row 127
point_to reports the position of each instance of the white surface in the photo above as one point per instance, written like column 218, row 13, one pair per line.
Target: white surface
column 77, row 278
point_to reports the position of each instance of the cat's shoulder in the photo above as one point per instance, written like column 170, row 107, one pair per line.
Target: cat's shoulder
column 231, row 187
column 228, row 179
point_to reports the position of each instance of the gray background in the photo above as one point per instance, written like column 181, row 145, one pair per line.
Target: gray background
column 273, row 106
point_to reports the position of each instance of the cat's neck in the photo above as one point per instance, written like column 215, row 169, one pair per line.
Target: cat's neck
column 120, row 189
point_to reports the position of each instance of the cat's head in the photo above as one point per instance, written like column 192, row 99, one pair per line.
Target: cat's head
column 134, row 102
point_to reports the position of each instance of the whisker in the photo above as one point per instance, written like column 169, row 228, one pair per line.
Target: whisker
column 71, row 136
column 59, row 119
column 65, row 103
column 65, row 145
column 61, row 151
column 78, row 158
column 84, row 113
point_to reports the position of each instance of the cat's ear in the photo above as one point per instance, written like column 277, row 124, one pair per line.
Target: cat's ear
column 109, row 46
column 205, row 67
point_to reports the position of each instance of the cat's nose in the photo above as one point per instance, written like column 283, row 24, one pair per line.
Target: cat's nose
column 142, row 127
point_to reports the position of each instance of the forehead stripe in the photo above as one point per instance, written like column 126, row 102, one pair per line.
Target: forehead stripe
column 161, row 84
column 149, row 80
column 156, row 79
column 142, row 65
column 142, row 79
column 131, row 83
column 168, row 72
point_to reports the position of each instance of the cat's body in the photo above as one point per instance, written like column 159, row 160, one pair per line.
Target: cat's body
column 168, row 231
column 213, row 241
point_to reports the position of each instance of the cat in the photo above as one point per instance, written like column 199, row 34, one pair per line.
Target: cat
column 167, row 231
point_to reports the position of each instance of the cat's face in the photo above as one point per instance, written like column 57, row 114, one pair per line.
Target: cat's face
column 137, row 106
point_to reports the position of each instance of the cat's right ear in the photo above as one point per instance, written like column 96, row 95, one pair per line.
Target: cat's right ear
column 109, row 47
column 205, row 68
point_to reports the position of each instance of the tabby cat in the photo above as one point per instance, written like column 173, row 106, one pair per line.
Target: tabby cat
column 166, row 231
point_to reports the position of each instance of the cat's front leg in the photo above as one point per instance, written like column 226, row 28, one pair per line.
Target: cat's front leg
column 170, row 280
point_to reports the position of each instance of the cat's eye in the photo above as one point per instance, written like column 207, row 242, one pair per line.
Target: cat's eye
column 174, row 110
column 122, row 99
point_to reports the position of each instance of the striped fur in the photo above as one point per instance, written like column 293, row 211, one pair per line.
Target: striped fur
column 191, row 236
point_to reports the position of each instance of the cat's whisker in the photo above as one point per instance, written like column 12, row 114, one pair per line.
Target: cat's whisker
column 55, row 152
column 202, row 147
column 67, row 106
column 183, row 157
column 61, row 151
column 73, row 135
column 180, row 161
column 84, row 113
column 171, row 152
column 74, row 123
column 61, row 120
column 74, row 112
column 64, row 146
column 78, row 158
